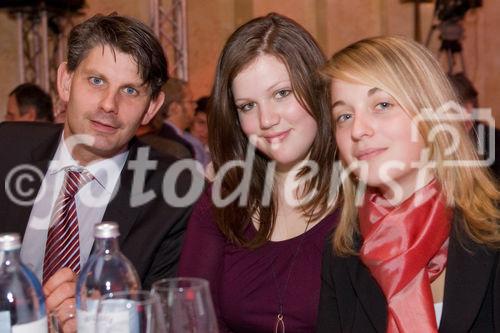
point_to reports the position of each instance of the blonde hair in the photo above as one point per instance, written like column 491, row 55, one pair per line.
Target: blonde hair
column 410, row 73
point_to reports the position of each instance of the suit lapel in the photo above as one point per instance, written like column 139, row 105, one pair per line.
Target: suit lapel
column 119, row 209
column 467, row 275
column 369, row 293
column 41, row 157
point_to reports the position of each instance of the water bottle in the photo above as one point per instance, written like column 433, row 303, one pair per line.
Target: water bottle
column 106, row 271
column 22, row 304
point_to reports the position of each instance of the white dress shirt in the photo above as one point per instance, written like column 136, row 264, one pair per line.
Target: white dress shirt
column 438, row 310
column 91, row 202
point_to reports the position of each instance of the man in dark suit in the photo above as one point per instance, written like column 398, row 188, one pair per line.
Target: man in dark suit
column 111, row 83
column 149, row 134
column 176, row 117
column 178, row 111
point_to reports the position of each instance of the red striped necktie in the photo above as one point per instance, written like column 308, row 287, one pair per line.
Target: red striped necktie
column 63, row 244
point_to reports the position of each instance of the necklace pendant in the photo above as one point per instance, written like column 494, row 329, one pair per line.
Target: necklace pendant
column 280, row 324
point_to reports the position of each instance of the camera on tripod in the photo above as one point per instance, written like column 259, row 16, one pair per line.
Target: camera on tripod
column 450, row 14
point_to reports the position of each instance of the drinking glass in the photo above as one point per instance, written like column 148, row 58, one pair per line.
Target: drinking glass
column 187, row 305
column 129, row 311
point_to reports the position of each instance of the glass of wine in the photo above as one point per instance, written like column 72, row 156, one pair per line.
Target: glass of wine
column 186, row 304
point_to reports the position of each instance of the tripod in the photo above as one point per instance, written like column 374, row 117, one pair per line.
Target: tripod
column 451, row 34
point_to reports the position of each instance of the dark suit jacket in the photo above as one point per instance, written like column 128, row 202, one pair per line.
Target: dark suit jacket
column 168, row 132
column 166, row 146
column 151, row 234
column 351, row 300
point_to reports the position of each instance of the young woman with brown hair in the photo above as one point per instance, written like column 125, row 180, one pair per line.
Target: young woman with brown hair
column 257, row 234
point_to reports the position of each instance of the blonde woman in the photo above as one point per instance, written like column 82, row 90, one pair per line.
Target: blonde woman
column 416, row 248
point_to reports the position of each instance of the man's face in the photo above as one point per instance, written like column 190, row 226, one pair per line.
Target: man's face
column 107, row 100
column 14, row 114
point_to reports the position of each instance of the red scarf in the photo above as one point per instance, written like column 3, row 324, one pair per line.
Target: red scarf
column 405, row 248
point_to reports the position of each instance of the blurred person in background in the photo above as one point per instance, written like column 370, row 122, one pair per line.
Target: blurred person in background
column 179, row 113
column 199, row 128
column 29, row 102
column 480, row 131
column 150, row 135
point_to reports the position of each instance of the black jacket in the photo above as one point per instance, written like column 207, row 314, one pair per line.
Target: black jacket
column 352, row 301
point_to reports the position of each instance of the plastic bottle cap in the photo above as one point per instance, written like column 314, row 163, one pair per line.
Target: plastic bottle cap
column 106, row 230
column 10, row 242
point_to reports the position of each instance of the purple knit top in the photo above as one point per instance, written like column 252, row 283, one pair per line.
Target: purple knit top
column 244, row 291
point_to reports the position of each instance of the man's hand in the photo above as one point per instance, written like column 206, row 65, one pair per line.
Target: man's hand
column 60, row 291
